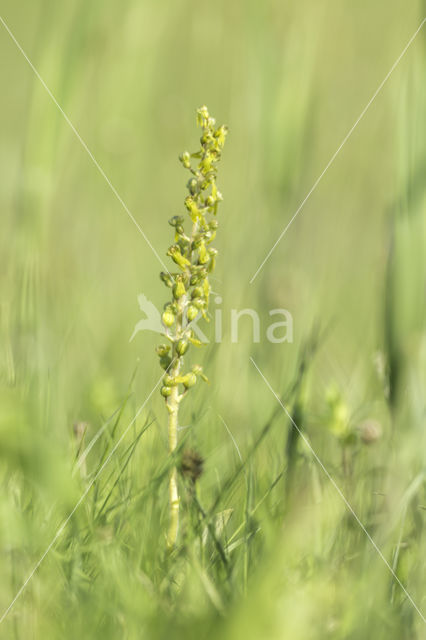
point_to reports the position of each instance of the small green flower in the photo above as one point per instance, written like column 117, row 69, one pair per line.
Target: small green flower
column 175, row 254
column 182, row 346
column 192, row 312
column 191, row 205
column 189, row 380
column 185, row 159
column 179, row 288
column 197, row 292
column 198, row 371
column 168, row 317
column 167, row 279
column 169, row 381
column 176, row 220
column 192, row 186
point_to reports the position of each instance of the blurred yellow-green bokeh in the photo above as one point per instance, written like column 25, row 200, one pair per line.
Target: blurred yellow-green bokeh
column 98, row 100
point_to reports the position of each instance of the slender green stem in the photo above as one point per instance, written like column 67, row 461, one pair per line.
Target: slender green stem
column 173, row 402
column 173, row 407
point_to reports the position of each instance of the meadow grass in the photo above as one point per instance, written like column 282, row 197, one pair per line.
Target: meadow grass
column 267, row 548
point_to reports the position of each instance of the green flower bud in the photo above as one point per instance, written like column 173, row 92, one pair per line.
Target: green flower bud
column 176, row 220
column 189, row 380
column 168, row 317
column 197, row 292
column 220, row 134
column 192, row 186
column 199, row 270
column 178, row 290
column 166, row 278
column 183, row 244
column 213, row 225
column 165, row 362
column 182, row 346
column 206, row 163
column 162, row 350
column 206, row 289
column 195, row 341
column 199, row 278
column 169, row 381
column 166, row 392
column 207, row 140
column 210, row 201
column 199, row 303
column 202, row 116
column 191, row 205
column 203, row 256
column 198, row 371
column 192, row 313
column 185, row 159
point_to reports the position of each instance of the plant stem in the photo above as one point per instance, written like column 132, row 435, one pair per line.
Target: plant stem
column 173, row 407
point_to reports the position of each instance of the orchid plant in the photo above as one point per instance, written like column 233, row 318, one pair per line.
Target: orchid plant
column 194, row 258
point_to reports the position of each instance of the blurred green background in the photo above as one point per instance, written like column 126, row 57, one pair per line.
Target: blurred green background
column 289, row 79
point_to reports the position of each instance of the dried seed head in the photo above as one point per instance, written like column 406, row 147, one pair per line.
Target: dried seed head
column 191, row 464
column 370, row 431
column 80, row 429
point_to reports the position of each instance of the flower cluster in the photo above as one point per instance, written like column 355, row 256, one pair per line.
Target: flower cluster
column 195, row 258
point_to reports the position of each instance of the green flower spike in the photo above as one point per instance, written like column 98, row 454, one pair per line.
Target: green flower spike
column 196, row 258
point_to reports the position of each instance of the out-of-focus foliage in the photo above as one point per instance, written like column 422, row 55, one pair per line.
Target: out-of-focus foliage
column 259, row 556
